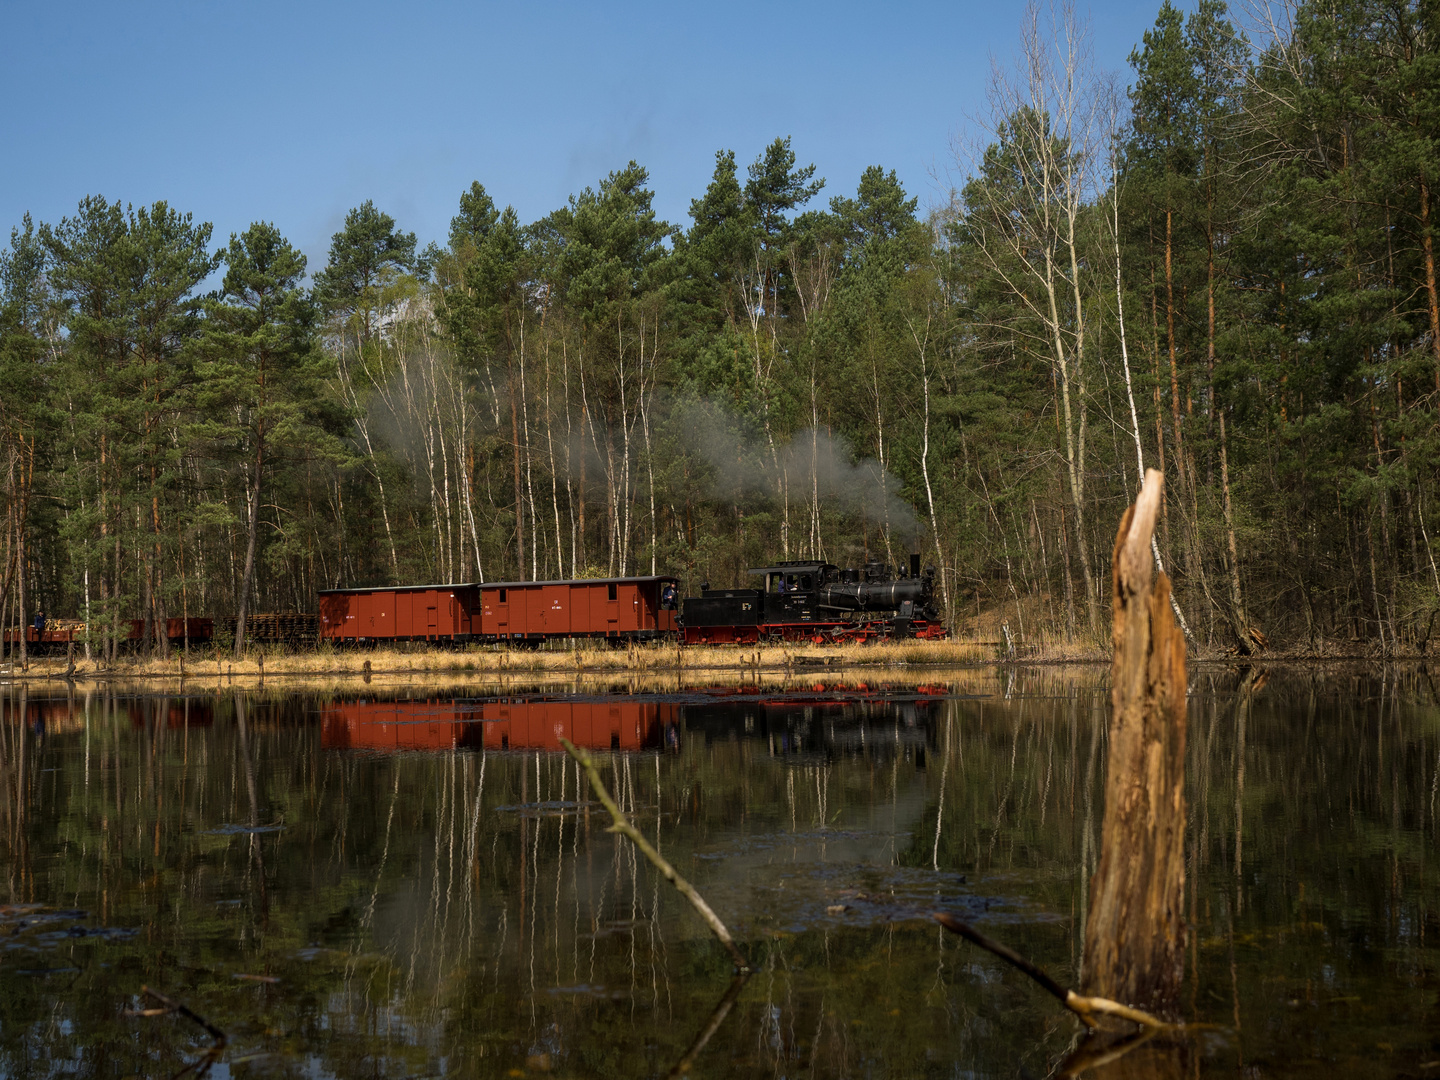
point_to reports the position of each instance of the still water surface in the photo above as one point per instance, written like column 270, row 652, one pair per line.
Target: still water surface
column 405, row 883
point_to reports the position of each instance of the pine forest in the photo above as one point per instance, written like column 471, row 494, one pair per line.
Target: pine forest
column 1219, row 263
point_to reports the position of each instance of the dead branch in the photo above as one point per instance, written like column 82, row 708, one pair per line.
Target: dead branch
column 623, row 827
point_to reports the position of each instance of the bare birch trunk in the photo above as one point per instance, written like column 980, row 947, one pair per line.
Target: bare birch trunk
column 922, row 344
column 1125, row 365
column 519, row 498
column 248, row 576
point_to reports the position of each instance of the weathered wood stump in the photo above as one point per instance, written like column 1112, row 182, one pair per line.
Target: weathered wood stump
column 1135, row 933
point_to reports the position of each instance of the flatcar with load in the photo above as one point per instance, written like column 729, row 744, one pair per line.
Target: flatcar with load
column 58, row 635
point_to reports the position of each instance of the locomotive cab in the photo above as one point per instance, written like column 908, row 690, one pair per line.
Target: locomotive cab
column 791, row 589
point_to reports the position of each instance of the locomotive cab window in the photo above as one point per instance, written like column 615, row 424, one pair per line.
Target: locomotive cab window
column 610, row 591
column 806, row 582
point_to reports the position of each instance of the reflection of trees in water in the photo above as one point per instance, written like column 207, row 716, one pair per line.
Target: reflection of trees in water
column 468, row 907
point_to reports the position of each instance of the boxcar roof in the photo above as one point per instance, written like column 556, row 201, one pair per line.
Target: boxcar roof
column 580, row 581
column 499, row 584
column 399, row 588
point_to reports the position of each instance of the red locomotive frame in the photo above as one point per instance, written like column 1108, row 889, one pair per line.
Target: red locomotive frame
column 813, row 633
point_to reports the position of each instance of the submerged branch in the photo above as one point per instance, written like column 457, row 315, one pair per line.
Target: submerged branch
column 717, row 1017
column 623, row 827
column 168, row 1006
column 1086, row 1008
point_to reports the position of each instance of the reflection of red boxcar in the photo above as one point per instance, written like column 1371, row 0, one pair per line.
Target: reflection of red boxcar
column 529, row 611
column 404, row 613
column 496, row 724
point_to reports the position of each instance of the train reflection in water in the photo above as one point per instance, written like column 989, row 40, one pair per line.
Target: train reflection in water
column 822, row 721
column 63, row 715
column 498, row 724
column 877, row 722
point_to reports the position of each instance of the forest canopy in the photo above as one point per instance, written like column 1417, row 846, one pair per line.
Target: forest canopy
column 1221, row 266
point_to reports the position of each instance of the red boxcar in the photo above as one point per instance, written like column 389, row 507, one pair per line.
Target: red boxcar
column 630, row 608
column 403, row 613
column 521, row 611
column 497, row 724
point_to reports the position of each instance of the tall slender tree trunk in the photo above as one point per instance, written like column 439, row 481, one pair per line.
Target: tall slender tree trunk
column 929, row 491
column 1239, row 623
column 1170, row 346
column 252, row 532
column 20, row 575
column 1074, row 466
column 1129, row 385
column 1427, row 244
column 519, row 493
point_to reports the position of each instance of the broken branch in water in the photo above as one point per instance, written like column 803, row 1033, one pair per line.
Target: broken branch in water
column 1086, row 1008
column 717, row 1017
column 623, row 827
column 169, row 1005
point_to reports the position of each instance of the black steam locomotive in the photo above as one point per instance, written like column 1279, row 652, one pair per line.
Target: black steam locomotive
column 816, row 602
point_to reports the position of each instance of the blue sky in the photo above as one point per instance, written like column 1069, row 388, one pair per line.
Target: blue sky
column 295, row 112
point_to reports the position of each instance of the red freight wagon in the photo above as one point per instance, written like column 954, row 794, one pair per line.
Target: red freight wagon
column 400, row 613
column 506, row 724
column 634, row 608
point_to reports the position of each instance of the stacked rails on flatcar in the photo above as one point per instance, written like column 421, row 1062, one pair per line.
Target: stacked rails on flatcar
column 440, row 613
column 295, row 628
column 620, row 609
column 498, row 724
column 816, row 602
column 59, row 634
column 520, row 612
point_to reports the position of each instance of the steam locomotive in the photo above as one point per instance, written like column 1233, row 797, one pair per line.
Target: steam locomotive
column 816, row 602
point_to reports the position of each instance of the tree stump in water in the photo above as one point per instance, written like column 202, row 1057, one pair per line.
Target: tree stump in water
column 1135, row 933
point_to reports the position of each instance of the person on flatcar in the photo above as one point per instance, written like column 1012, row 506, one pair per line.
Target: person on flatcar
column 39, row 622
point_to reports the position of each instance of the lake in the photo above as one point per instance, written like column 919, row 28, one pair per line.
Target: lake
column 405, row 881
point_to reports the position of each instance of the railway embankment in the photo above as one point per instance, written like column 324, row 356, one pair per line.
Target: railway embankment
column 417, row 661
column 489, row 661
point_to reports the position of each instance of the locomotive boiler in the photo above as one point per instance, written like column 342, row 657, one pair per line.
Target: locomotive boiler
column 816, row 602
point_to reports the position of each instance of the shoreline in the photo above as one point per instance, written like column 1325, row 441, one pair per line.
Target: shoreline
column 649, row 660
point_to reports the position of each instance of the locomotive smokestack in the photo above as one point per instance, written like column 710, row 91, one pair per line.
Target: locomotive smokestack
column 915, row 564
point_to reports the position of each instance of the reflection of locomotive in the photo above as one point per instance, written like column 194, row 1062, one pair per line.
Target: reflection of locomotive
column 816, row 602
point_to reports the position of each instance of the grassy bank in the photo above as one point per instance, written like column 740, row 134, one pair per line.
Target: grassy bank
column 419, row 660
